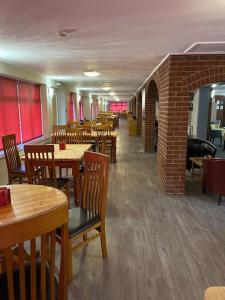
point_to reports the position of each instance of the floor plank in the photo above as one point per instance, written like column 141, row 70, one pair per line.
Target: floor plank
column 160, row 247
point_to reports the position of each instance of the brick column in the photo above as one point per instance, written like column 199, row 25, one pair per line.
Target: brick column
column 139, row 114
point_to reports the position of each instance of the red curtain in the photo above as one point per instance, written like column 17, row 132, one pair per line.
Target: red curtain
column 118, row 106
column 9, row 110
column 70, row 108
column 30, row 111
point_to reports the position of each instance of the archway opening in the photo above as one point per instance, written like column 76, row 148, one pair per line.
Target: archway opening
column 151, row 114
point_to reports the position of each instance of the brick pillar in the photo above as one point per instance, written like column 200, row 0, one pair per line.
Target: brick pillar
column 149, row 124
column 172, row 142
column 139, row 114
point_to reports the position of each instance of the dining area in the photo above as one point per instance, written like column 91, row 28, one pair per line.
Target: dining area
column 53, row 205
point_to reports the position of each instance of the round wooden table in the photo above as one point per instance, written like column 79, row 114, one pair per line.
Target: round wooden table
column 35, row 211
column 30, row 201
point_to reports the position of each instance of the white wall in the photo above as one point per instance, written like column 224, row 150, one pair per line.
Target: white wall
column 86, row 106
column 193, row 116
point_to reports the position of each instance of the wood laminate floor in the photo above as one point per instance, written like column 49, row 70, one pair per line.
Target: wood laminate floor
column 160, row 247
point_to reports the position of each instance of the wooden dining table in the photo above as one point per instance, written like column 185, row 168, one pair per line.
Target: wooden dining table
column 94, row 136
column 71, row 158
column 30, row 205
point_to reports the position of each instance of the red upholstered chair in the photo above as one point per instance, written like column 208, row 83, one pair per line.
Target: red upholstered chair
column 214, row 176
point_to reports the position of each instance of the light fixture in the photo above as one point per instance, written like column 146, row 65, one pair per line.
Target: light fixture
column 112, row 94
column 106, row 88
column 91, row 73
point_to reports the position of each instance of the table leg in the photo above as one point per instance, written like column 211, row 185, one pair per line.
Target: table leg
column 114, row 149
column 76, row 179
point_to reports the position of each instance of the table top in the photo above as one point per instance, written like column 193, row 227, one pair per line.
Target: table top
column 72, row 151
column 113, row 133
column 197, row 160
column 29, row 201
column 215, row 293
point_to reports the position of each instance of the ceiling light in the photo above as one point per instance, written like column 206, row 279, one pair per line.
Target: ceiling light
column 106, row 88
column 112, row 94
column 91, row 73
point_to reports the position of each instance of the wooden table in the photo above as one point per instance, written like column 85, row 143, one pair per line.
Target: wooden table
column 25, row 219
column 71, row 158
column 94, row 136
column 30, row 201
column 197, row 161
column 215, row 293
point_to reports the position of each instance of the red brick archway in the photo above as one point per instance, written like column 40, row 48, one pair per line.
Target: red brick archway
column 139, row 113
column 150, row 104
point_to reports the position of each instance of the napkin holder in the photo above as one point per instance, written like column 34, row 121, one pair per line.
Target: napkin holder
column 5, row 197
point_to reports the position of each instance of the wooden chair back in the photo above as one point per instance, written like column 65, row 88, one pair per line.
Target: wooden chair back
column 40, row 164
column 59, row 132
column 95, row 182
column 27, row 253
column 11, row 153
column 74, row 136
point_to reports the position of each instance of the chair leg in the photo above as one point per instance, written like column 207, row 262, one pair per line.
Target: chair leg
column 103, row 241
column 219, row 200
column 70, row 262
column 84, row 237
column 68, row 195
column 20, row 180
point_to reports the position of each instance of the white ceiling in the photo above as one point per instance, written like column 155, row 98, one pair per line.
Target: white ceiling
column 123, row 39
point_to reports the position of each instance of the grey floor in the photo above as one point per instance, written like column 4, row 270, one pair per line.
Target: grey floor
column 160, row 247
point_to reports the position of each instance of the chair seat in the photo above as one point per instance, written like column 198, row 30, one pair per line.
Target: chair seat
column 79, row 220
column 61, row 182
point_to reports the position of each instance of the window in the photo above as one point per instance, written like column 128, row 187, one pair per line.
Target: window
column 9, row 110
column 20, row 110
column 118, row 106
column 30, row 111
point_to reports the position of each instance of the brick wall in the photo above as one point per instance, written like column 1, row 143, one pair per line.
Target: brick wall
column 176, row 78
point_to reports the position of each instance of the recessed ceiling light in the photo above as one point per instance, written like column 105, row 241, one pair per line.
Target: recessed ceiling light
column 91, row 73
column 112, row 94
column 106, row 88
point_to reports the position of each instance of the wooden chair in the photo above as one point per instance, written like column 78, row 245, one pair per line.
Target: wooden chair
column 105, row 145
column 40, row 164
column 28, row 274
column 59, row 133
column 74, row 136
column 14, row 167
column 90, row 216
